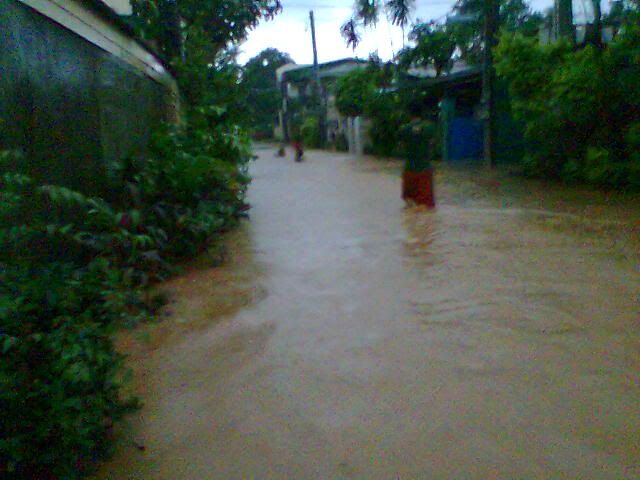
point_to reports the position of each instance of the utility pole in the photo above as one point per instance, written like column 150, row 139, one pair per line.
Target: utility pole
column 317, row 88
column 491, row 20
column 313, row 43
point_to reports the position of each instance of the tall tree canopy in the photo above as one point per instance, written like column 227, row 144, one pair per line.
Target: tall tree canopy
column 221, row 22
column 196, row 35
column 463, row 28
column 262, row 96
column 434, row 47
column 353, row 91
column 367, row 12
column 515, row 15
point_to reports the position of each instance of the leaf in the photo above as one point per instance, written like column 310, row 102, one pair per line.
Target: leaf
column 136, row 217
column 74, row 403
column 7, row 343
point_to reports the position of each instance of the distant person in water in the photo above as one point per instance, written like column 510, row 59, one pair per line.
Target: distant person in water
column 298, row 149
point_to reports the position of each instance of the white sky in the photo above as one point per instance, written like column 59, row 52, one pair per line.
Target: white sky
column 290, row 31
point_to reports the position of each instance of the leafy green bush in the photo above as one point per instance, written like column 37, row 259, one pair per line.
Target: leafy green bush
column 387, row 116
column 632, row 140
column 579, row 107
column 44, row 223
column 193, row 184
column 60, row 375
column 353, row 92
column 73, row 268
column 310, row 132
column 59, row 300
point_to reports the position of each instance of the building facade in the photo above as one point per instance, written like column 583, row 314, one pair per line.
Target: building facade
column 78, row 91
column 297, row 84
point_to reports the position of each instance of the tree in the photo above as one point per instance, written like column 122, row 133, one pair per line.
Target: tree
column 349, row 31
column 381, row 72
column 564, row 19
column 353, row 91
column 596, row 32
column 367, row 12
column 260, row 87
column 434, row 47
column 222, row 22
column 206, row 30
column 580, row 107
column 399, row 12
column 515, row 16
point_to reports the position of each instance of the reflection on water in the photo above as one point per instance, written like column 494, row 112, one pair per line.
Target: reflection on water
column 495, row 337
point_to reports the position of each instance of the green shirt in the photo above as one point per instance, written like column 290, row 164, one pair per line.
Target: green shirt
column 417, row 136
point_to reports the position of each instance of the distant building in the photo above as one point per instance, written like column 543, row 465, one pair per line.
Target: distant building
column 430, row 71
column 297, row 86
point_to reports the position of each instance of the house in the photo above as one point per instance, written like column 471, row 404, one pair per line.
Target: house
column 297, row 84
column 78, row 89
column 455, row 100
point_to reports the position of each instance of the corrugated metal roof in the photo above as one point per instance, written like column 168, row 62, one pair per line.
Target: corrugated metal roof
column 108, row 14
column 306, row 71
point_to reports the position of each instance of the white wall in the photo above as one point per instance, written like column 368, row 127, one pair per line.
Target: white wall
column 355, row 135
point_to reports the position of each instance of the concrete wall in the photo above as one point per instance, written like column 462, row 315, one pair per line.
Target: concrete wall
column 356, row 137
column 76, row 92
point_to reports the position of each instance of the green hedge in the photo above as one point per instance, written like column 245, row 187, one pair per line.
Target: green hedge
column 310, row 132
column 580, row 107
column 74, row 268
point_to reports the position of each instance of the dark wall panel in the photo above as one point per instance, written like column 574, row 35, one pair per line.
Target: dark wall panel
column 71, row 107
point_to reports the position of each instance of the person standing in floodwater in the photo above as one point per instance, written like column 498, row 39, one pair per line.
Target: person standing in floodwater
column 298, row 149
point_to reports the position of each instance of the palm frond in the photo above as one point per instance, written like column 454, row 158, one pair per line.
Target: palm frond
column 367, row 11
column 399, row 11
column 349, row 31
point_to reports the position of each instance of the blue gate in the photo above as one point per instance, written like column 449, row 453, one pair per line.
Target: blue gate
column 465, row 139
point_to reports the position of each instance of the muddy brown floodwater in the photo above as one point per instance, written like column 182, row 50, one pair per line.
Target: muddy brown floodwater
column 349, row 338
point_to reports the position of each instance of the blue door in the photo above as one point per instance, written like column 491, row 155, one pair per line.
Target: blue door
column 465, row 139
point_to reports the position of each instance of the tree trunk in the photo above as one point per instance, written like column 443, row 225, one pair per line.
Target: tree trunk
column 597, row 22
column 564, row 20
column 491, row 26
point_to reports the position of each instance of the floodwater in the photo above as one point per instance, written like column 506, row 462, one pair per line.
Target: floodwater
column 347, row 337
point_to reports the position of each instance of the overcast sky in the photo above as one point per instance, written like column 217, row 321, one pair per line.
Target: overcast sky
column 290, row 31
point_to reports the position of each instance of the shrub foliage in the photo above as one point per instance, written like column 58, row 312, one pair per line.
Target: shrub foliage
column 73, row 268
column 581, row 108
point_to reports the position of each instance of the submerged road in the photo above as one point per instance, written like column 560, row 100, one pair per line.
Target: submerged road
column 496, row 337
